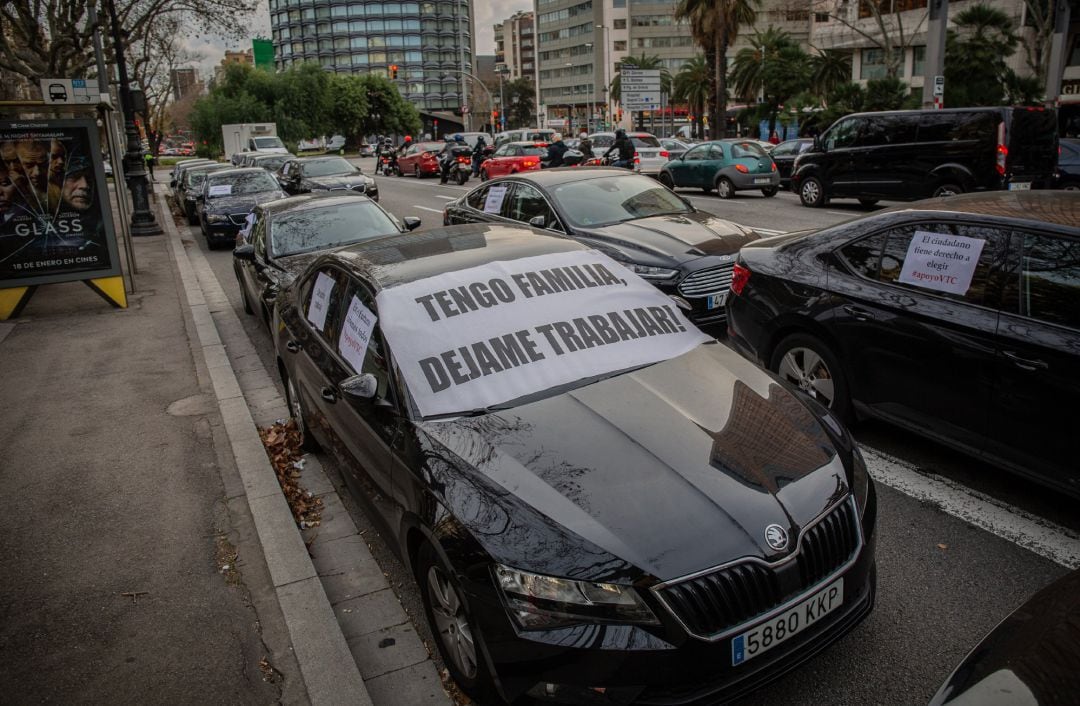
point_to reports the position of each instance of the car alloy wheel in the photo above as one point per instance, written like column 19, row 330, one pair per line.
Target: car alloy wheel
column 416, row 170
column 812, row 193
column 808, row 364
column 948, row 190
column 724, row 188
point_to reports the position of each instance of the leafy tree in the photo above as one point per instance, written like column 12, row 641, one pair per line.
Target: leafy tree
column 349, row 106
column 888, row 94
column 519, row 102
column 691, row 86
column 828, row 69
column 976, row 50
column 845, row 98
column 774, row 66
column 388, row 112
column 719, row 21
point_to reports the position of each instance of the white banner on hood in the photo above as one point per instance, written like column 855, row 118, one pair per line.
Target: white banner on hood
column 482, row 336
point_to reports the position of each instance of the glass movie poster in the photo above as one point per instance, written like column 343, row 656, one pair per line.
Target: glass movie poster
column 55, row 222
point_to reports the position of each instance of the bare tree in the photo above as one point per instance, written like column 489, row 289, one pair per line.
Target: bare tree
column 1039, row 17
column 153, row 60
column 53, row 37
column 880, row 22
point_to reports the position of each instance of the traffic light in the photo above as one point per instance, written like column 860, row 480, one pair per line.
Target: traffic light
column 393, row 72
column 495, row 115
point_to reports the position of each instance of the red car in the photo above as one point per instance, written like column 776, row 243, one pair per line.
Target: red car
column 421, row 159
column 513, row 157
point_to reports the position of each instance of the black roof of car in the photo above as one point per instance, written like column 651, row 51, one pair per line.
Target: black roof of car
column 315, row 199
column 562, row 175
column 240, row 170
column 398, row 259
column 1053, row 207
column 317, row 158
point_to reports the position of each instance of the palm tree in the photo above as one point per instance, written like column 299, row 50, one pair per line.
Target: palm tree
column 773, row 65
column 691, row 86
column 718, row 20
column 828, row 69
column 976, row 49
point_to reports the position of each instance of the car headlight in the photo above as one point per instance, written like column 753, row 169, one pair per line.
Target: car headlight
column 216, row 218
column 649, row 272
column 538, row 602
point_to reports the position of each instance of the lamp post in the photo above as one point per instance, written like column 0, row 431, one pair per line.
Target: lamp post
column 491, row 101
column 502, row 105
column 606, row 61
column 142, row 218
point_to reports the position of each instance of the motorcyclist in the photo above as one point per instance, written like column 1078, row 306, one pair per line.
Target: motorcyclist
column 585, row 146
column 556, row 150
column 387, row 151
column 625, row 148
column 480, row 153
column 454, row 147
column 405, row 144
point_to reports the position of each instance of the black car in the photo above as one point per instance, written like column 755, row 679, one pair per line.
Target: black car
column 956, row 318
column 594, row 497
column 1032, row 658
column 304, row 174
column 286, row 233
column 905, row 155
column 270, row 162
column 1067, row 176
column 785, row 154
column 190, row 188
column 178, row 173
column 227, row 198
column 685, row 252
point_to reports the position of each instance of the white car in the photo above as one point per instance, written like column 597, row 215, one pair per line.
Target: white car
column 651, row 154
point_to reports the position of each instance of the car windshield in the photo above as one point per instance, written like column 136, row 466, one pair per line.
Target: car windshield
column 612, row 199
column 746, row 149
column 328, row 167
column 647, row 141
column 272, row 163
column 196, row 177
column 240, row 184
column 534, row 151
column 264, row 143
column 328, row 226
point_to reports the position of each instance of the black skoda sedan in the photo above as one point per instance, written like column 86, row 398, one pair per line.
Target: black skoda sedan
column 286, row 232
column 634, row 219
column 227, row 198
column 956, row 318
column 597, row 500
column 304, row 174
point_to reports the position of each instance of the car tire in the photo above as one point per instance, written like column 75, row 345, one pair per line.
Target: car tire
column 192, row 219
column 706, row 189
column 452, row 626
column 667, row 181
column 948, row 188
column 416, row 171
column 869, row 202
column 770, row 191
column 810, row 365
column 299, row 415
column 725, row 189
column 1070, row 186
column 483, row 175
column 462, row 177
column 812, row 192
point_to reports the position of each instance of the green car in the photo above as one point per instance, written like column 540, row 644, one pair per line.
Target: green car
column 725, row 165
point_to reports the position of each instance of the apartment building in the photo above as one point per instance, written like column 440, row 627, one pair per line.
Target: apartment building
column 515, row 47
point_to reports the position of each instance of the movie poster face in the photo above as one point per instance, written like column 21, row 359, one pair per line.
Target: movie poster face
column 55, row 222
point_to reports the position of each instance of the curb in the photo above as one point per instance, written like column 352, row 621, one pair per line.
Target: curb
column 326, row 662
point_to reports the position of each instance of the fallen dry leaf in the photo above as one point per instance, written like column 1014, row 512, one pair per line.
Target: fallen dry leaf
column 282, row 442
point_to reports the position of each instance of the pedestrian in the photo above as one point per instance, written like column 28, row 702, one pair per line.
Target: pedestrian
column 149, row 165
column 774, row 138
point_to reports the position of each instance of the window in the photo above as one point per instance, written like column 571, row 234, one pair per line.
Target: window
column 335, row 280
column 886, row 130
column 843, row 135
column 918, row 61
column 477, row 198
column 864, row 255
column 619, row 45
column 618, row 24
column 952, row 127
column 873, row 63
column 527, row 203
column 1048, row 286
column 978, row 289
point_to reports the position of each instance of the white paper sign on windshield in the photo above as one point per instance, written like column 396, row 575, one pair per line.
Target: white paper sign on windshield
column 320, row 300
column 356, row 333
column 493, row 333
column 495, row 197
column 942, row 262
column 219, row 190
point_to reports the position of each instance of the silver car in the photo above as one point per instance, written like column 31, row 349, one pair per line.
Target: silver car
column 651, row 154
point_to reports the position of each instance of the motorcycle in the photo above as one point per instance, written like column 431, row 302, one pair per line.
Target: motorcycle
column 460, row 169
column 388, row 165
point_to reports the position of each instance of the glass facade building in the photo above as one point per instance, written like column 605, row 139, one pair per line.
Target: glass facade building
column 422, row 38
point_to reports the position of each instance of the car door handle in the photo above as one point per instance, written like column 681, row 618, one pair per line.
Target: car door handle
column 1026, row 363
column 328, row 394
column 859, row 314
column 293, row 347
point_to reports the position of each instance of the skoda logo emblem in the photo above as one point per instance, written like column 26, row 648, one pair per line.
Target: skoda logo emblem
column 776, row 536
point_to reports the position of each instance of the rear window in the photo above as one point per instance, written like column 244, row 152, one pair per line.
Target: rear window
column 1032, row 141
column 746, row 149
column 958, row 127
column 644, row 141
column 431, row 146
column 534, row 151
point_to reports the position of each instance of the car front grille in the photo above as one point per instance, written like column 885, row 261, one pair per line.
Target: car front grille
column 238, row 219
column 710, row 280
column 710, row 605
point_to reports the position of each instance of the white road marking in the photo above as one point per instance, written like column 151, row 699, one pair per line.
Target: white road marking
column 440, row 196
column 841, row 213
column 425, row 208
column 1048, row 540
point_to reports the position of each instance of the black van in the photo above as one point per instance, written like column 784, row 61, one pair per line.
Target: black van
column 906, row 155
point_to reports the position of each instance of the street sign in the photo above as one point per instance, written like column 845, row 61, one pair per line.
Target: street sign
column 640, row 89
column 939, row 85
column 70, row 91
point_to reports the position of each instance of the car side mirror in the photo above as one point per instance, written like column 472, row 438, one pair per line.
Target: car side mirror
column 411, row 222
column 538, row 222
column 172, row 183
column 245, row 252
column 360, row 387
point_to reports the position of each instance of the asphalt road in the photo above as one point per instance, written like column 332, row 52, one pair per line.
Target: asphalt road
column 943, row 582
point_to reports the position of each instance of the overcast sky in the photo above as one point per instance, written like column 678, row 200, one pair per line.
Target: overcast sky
column 488, row 12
